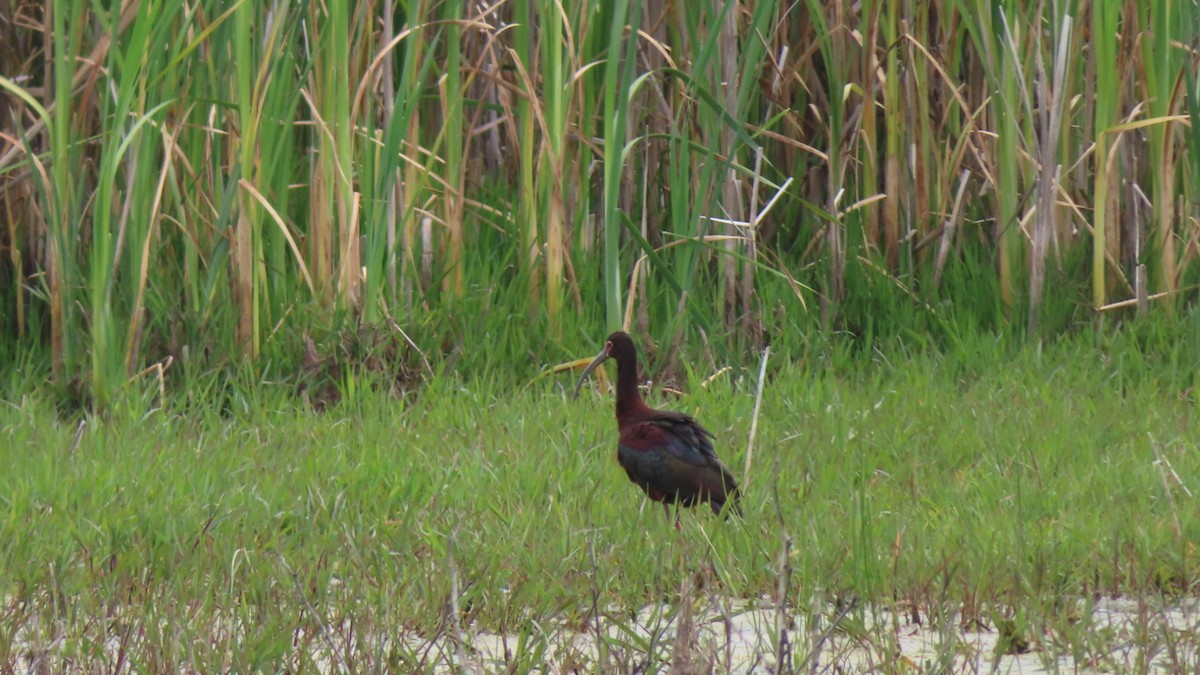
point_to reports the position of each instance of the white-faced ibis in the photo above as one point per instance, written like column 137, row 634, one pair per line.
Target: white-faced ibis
column 667, row 454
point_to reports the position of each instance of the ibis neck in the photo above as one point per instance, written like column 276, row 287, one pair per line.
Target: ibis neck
column 629, row 400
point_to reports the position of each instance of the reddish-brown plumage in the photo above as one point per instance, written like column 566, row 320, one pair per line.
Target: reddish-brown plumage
column 667, row 454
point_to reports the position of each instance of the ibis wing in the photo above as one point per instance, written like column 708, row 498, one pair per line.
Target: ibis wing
column 678, row 434
column 671, row 457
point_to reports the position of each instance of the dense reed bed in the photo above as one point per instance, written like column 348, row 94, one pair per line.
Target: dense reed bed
column 207, row 179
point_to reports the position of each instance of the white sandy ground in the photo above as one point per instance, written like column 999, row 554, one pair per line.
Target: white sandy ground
column 742, row 639
column 1116, row 636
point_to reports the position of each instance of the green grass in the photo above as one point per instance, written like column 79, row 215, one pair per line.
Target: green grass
column 996, row 476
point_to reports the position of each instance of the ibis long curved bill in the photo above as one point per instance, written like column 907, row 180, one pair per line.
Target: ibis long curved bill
column 600, row 358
